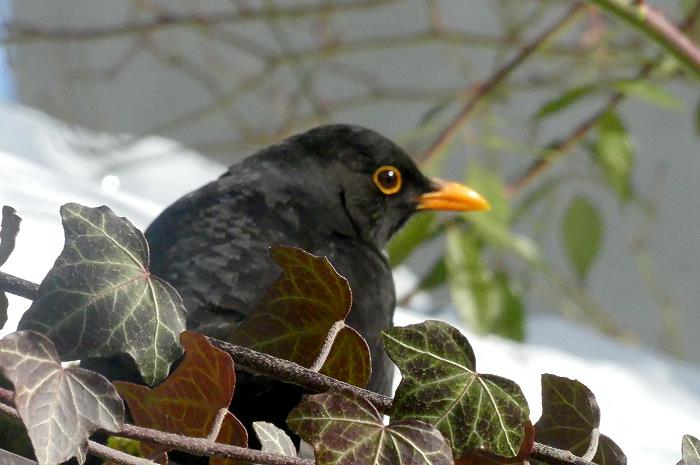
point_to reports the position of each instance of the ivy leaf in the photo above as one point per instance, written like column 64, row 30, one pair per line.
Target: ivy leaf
column 609, row 453
column 295, row 316
column 3, row 309
column 346, row 429
column 100, row 299
column 614, row 154
column 563, row 101
column 418, row 229
column 479, row 457
column 273, row 439
column 691, row 450
column 581, row 235
column 189, row 400
column 8, row 458
column 60, row 407
column 570, row 416
column 9, row 228
column 440, row 386
column 349, row 358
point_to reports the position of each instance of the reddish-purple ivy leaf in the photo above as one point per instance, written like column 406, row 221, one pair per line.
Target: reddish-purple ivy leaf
column 346, row 429
column 570, row 416
column 60, row 407
column 189, row 400
column 100, row 299
column 441, row 386
column 273, row 439
column 296, row 314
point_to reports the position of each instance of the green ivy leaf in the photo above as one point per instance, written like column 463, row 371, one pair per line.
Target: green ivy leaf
column 609, row 453
column 60, row 407
column 581, row 234
column 441, row 386
column 649, row 92
column 614, row 154
column 419, row 229
column 690, row 448
column 570, row 416
column 3, row 309
column 99, row 299
column 346, row 429
column 9, row 228
column 564, row 101
column 273, row 439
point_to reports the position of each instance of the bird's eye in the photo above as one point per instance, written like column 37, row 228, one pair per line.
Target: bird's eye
column 388, row 179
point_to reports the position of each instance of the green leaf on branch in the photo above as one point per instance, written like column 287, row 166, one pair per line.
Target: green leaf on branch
column 418, row 229
column 582, row 235
column 570, row 416
column 295, row 316
column 99, row 299
column 690, row 448
column 650, row 92
column 273, row 439
column 614, row 154
column 564, row 101
column 60, row 407
column 441, row 386
column 486, row 301
column 346, row 429
column 189, row 400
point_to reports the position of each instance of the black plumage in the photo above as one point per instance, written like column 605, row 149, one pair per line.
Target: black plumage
column 339, row 191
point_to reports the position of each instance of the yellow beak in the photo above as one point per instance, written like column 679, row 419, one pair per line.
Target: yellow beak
column 452, row 196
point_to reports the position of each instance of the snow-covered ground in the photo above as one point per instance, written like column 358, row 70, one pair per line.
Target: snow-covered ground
column 647, row 400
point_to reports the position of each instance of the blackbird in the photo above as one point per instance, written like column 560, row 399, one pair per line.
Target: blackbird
column 340, row 191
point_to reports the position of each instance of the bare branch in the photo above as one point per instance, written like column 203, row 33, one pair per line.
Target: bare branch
column 656, row 25
column 448, row 134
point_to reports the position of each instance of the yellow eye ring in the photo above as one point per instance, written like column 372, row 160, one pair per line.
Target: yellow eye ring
column 388, row 179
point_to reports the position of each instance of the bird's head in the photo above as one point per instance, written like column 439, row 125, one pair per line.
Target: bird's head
column 377, row 183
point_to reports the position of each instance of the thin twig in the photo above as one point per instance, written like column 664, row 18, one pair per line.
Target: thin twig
column 448, row 134
column 656, row 25
column 562, row 147
column 194, row 446
column 17, row 31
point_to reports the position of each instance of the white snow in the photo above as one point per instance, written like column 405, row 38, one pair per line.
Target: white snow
column 647, row 401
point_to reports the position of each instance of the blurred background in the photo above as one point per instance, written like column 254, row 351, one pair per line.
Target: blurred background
column 580, row 129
